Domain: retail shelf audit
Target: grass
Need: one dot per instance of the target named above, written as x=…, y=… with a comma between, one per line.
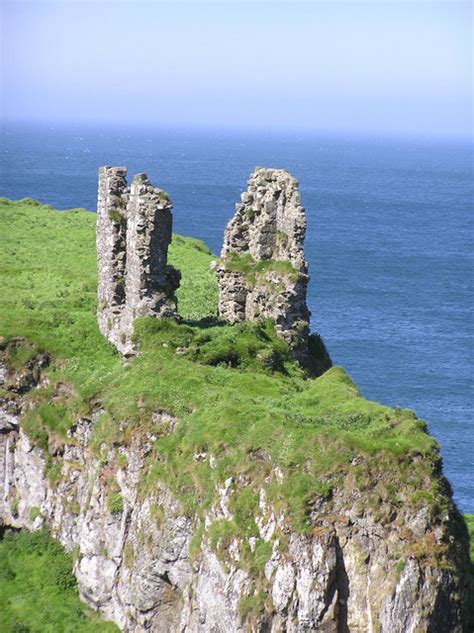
x=246, y=411
x=256, y=271
x=38, y=590
x=115, y=503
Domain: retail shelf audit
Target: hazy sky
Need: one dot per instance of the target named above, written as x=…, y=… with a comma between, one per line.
x=376, y=67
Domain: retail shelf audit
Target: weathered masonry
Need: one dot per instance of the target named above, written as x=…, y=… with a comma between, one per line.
x=134, y=227
x=262, y=272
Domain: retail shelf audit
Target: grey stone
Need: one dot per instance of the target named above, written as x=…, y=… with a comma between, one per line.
x=269, y=225
x=133, y=234
x=111, y=249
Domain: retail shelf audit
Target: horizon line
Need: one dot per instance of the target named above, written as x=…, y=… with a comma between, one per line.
x=272, y=130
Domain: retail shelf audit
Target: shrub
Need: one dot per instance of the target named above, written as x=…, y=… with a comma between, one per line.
x=115, y=503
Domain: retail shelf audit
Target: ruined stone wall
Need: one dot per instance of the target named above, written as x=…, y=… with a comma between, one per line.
x=111, y=248
x=262, y=272
x=134, y=227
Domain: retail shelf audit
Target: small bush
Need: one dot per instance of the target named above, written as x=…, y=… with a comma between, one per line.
x=262, y=553
x=252, y=606
x=115, y=503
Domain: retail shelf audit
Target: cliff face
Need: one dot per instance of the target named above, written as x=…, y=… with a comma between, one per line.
x=364, y=565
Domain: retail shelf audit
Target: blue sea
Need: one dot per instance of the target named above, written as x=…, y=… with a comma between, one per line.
x=389, y=244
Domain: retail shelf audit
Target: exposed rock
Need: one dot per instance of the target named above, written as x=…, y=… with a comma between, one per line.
x=133, y=234
x=262, y=272
x=133, y=560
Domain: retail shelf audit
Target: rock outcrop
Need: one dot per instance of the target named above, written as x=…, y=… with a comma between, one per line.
x=262, y=272
x=139, y=561
x=134, y=227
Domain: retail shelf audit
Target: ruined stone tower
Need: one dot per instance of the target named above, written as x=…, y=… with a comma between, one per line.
x=133, y=234
x=262, y=272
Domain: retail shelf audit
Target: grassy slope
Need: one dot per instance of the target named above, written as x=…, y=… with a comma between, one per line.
x=229, y=403
x=38, y=590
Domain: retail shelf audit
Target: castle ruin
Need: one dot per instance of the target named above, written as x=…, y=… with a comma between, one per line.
x=134, y=227
x=262, y=272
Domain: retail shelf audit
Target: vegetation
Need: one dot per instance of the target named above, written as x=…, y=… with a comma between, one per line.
x=116, y=216
x=115, y=503
x=244, y=407
x=256, y=270
x=470, y=526
x=234, y=388
x=163, y=196
x=250, y=213
x=38, y=590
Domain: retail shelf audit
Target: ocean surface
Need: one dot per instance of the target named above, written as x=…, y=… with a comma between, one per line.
x=389, y=244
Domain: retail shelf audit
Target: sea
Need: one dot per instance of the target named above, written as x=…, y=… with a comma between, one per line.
x=389, y=243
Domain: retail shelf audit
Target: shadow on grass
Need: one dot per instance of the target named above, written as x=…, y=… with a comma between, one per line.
x=205, y=323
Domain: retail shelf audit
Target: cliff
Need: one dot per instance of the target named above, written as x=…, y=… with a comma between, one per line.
x=210, y=484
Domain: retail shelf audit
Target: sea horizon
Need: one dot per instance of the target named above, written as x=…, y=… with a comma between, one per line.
x=337, y=134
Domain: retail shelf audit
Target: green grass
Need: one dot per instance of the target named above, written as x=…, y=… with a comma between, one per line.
x=38, y=591
x=235, y=390
x=115, y=503
x=255, y=271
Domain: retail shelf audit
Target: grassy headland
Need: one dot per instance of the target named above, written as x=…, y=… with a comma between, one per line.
x=237, y=393
x=234, y=388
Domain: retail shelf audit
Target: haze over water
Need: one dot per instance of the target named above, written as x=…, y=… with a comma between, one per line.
x=389, y=243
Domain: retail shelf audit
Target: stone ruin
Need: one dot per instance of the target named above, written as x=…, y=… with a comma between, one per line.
x=134, y=227
x=262, y=272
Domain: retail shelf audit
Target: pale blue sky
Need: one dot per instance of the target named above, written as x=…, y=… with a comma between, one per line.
x=375, y=67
